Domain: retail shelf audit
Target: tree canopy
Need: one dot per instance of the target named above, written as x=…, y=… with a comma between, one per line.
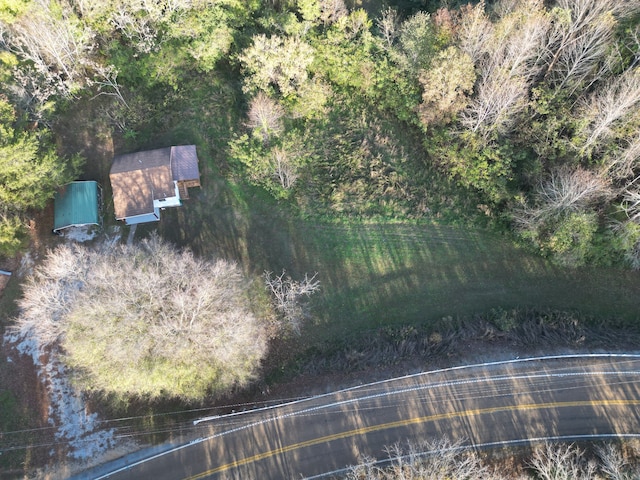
x=403, y=112
x=145, y=320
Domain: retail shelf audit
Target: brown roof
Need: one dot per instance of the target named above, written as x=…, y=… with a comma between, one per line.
x=139, y=178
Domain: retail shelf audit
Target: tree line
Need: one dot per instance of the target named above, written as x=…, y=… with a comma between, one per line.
x=531, y=107
x=525, y=110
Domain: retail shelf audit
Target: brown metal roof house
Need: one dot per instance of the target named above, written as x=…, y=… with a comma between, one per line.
x=145, y=182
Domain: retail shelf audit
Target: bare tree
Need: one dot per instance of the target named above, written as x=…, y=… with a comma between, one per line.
x=57, y=51
x=631, y=201
x=265, y=116
x=288, y=294
x=580, y=43
x=564, y=190
x=145, y=320
x=474, y=31
x=561, y=462
x=624, y=164
x=608, y=106
x=500, y=98
x=108, y=84
x=138, y=21
x=508, y=57
x=49, y=294
x=519, y=38
x=388, y=24
x=332, y=10
x=284, y=168
x=572, y=189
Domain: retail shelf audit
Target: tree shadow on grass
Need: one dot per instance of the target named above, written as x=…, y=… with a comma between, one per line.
x=376, y=274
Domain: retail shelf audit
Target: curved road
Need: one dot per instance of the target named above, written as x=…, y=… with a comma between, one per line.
x=503, y=402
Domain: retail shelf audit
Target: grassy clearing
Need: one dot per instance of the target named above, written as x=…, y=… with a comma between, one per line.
x=373, y=274
x=377, y=274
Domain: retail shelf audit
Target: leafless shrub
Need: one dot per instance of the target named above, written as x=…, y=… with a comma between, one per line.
x=288, y=294
x=612, y=463
x=561, y=462
x=443, y=459
x=265, y=116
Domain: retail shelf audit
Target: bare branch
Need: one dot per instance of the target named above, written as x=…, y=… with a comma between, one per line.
x=561, y=462
x=287, y=296
x=265, y=116
x=609, y=105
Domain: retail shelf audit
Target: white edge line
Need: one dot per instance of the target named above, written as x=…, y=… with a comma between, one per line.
x=413, y=375
x=430, y=372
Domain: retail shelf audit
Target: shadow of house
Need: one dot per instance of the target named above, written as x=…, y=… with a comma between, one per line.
x=146, y=182
x=77, y=204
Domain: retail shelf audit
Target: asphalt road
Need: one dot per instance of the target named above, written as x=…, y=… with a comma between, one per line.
x=490, y=404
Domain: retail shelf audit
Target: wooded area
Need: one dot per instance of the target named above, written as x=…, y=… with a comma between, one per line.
x=516, y=115
x=526, y=110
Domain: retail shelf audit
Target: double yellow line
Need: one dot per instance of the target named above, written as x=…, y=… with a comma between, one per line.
x=404, y=423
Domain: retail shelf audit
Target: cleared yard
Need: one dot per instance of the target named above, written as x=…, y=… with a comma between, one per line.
x=376, y=274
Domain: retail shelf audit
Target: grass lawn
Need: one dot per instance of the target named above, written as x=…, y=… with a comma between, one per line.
x=372, y=274
x=376, y=274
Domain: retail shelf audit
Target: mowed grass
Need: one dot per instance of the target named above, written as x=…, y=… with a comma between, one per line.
x=378, y=274
x=372, y=274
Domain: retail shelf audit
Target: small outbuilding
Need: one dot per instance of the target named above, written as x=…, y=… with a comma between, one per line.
x=76, y=205
x=146, y=182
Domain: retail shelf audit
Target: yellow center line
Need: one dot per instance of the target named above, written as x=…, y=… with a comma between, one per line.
x=404, y=423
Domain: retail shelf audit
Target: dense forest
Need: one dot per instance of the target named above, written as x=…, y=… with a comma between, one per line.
x=518, y=114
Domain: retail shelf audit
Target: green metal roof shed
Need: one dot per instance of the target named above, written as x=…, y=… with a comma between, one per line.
x=76, y=204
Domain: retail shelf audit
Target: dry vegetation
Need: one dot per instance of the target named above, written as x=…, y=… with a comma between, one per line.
x=145, y=320
x=438, y=460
